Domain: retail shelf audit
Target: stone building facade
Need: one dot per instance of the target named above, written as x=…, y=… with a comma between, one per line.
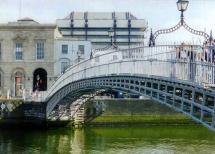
x=26, y=57
x=32, y=55
x=69, y=52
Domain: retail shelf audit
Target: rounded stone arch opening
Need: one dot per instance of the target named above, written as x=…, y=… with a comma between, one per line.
x=78, y=93
x=40, y=79
x=18, y=81
x=1, y=82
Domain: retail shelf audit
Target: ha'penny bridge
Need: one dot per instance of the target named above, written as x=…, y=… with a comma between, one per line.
x=181, y=77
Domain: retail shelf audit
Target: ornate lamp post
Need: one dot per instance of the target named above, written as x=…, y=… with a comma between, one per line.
x=112, y=45
x=182, y=6
x=111, y=34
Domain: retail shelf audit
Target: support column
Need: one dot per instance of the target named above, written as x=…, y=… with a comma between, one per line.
x=213, y=116
x=213, y=120
x=158, y=90
x=202, y=104
x=182, y=100
x=145, y=87
x=165, y=94
x=193, y=100
x=173, y=97
x=151, y=90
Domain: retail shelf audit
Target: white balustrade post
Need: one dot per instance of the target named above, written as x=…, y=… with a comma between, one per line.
x=108, y=70
x=134, y=68
x=120, y=67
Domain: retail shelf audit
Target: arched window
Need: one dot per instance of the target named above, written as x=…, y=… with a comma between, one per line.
x=19, y=83
x=40, y=80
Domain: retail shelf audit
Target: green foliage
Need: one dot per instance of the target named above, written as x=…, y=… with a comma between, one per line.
x=13, y=101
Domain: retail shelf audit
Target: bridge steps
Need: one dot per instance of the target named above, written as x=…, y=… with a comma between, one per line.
x=79, y=117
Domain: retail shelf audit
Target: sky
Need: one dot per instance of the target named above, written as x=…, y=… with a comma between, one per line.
x=158, y=13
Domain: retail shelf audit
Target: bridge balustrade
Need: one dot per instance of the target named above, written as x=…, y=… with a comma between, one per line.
x=145, y=60
x=158, y=72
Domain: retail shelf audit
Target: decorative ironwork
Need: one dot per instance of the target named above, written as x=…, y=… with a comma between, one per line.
x=181, y=23
x=170, y=30
x=153, y=37
x=196, y=32
x=181, y=68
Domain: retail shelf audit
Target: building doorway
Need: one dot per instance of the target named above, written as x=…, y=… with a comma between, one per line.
x=1, y=82
x=19, y=85
x=40, y=80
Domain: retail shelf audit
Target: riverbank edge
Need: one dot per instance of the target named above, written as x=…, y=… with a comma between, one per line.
x=103, y=121
x=119, y=120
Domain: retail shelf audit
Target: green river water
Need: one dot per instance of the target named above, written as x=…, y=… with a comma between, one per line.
x=130, y=140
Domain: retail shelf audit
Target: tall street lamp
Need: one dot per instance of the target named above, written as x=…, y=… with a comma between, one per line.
x=111, y=34
x=182, y=6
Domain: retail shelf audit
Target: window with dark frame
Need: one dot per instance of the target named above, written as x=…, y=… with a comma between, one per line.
x=64, y=49
x=40, y=50
x=19, y=51
x=81, y=49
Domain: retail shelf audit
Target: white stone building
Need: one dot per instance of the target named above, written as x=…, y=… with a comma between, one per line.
x=69, y=52
x=94, y=27
x=26, y=57
x=32, y=55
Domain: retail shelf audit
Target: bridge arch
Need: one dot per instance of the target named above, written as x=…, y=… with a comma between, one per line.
x=183, y=97
x=155, y=72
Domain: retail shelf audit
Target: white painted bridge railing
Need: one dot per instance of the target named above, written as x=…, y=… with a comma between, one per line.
x=175, y=62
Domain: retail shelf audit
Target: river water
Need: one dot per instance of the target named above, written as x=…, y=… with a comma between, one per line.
x=131, y=140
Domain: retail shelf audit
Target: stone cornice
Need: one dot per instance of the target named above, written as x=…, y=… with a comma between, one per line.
x=39, y=26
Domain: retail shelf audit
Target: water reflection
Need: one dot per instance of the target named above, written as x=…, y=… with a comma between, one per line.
x=156, y=139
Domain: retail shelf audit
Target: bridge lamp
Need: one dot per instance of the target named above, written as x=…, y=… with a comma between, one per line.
x=182, y=6
x=111, y=34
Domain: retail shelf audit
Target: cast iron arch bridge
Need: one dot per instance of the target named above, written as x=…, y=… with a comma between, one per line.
x=181, y=77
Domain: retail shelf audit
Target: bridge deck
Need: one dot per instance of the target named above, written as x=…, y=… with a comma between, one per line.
x=173, y=75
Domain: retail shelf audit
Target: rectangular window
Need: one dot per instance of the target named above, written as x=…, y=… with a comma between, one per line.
x=19, y=51
x=64, y=66
x=81, y=49
x=64, y=49
x=40, y=50
x=114, y=57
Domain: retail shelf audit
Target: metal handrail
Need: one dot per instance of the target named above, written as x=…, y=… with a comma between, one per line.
x=99, y=65
x=65, y=76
